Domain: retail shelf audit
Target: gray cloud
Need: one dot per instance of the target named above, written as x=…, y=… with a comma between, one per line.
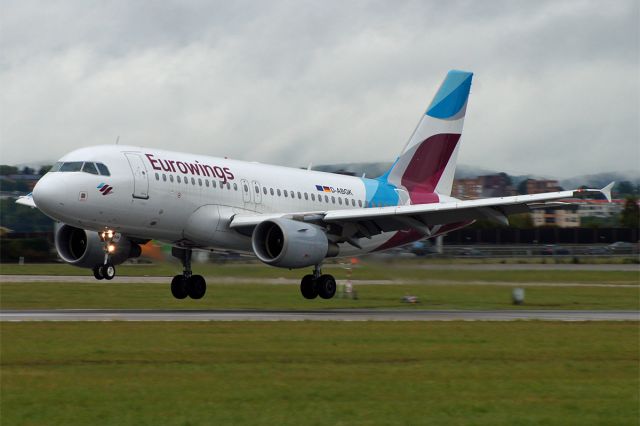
x=556, y=90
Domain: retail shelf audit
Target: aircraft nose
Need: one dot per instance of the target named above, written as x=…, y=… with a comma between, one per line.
x=46, y=194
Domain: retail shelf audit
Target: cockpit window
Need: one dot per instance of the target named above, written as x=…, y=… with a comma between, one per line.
x=104, y=171
x=90, y=168
x=56, y=167
x=72, y=166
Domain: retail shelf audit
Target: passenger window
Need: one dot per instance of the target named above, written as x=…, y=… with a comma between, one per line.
x=200, y=182
x=74, y=166
x=326, y=198
x=246, y=188
x=157, y=176
x=353, y=202
x=171, y=178
x=339, y=200
x=235, y=186
x=286, y=194
x=264, y=190
x=279, y=193
x=104, y=171
x=313, y=197
x=359, y=203
x=306, y=195
x=193, y=181
x=213, y=183
x=299, y=196
x=257, y=190
x=228, y=186
x=90, y=168
x=206, y=182
x=333, y=199
x=271, y=191
x=164, y=177
x=178, y=179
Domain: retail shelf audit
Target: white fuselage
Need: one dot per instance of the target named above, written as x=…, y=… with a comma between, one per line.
x=154, y=193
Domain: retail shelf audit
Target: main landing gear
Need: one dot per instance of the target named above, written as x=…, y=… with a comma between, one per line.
x=317, y=284
x=187, y=284
x=107, y=271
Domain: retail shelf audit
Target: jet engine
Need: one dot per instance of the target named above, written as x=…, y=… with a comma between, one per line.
x=84, y=249
x=291, y=244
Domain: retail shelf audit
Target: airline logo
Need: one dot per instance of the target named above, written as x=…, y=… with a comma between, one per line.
x=104, y=188
x=333, y=190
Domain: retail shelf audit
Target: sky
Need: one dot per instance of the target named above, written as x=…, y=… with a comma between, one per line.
x=556, y=89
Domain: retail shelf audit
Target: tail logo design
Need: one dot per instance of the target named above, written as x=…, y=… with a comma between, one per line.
x=426, y=166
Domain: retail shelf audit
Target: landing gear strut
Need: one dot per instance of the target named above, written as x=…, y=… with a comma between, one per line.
x=187, y=284
x=317, y=284
x=107, y=270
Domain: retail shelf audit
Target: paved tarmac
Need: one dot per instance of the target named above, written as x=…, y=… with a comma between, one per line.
x=328, y=315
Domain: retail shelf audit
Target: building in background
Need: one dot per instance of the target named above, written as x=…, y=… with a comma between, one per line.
x=540, y=186
x=566, y=217
x=497, y=185
x=599, y=208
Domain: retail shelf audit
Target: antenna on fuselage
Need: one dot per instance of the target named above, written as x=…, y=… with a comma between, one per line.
x=117, y=139
x=309, y=166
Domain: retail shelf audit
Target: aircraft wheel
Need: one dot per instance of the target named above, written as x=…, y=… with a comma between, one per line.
x=326, y=286
x=97, y=273
x=196, y=287
x=108, y=271
x=308, y=287
x=179, y=287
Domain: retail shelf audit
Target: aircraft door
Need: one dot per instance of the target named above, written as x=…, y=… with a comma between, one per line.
x=256, y=191
x=140, y=175
x=246, y=191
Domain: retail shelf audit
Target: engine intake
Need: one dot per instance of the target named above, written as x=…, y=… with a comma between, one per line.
x=291, y=244
x=84, y=249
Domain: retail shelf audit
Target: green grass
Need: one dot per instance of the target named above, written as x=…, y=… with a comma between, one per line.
x=285, y=296
x=319, y=373
x=377, y=271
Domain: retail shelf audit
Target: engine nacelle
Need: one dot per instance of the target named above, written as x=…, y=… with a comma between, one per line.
x=84, y=249
x=291, y=244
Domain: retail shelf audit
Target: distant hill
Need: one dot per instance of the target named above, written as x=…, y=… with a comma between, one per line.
x=463, y=171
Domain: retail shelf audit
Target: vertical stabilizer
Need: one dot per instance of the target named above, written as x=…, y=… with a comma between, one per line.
x=428, y=161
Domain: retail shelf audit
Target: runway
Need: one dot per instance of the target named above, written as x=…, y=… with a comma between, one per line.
x=327, y=315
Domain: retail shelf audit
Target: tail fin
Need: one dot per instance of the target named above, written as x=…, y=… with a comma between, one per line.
x=428, y=161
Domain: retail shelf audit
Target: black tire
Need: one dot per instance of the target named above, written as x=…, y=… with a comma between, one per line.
x=179, y=287
x=97, y=273
x=326, y=286
x=196, y=286
x=108, y=271
x=308, y=287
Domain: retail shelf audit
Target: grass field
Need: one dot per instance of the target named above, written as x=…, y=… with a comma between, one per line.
x=376, y=270
x=286, y=296
x=311, y=373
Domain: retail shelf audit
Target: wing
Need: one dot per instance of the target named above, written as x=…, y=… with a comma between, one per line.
x=358, y=223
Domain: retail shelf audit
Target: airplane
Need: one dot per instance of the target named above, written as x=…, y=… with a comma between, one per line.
x=112, y=199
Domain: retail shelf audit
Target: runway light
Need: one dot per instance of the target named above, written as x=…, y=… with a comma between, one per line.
x=111, y=248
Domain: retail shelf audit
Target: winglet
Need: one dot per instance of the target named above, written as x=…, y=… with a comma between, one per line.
x=606, y=191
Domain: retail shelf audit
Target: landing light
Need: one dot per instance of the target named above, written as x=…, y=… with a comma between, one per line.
x=111, y=248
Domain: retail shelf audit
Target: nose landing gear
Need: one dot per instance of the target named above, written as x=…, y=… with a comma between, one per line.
x=318, y=284
x=187, y=284
x=107, y=270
